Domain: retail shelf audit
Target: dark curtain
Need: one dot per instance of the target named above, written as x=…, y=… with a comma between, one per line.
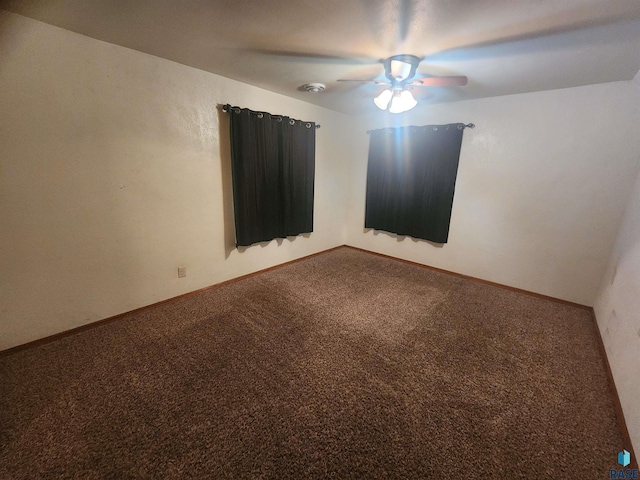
x=411, y=180
x=273, y=166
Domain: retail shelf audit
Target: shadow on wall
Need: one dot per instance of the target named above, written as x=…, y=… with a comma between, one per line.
x=279, y=241
x=227, y=183
x=401, y=238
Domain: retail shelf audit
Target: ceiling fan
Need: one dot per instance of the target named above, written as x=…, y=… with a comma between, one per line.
x=400, y=70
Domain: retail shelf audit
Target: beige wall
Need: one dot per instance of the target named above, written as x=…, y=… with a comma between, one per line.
x=542, y=185
x=617, y=309
x=114, y=171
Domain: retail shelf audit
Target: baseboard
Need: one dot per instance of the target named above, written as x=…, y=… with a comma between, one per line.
x=195, y=292
x=475, y=279
x=622, y=424
x=97, y=323
x=104, y=321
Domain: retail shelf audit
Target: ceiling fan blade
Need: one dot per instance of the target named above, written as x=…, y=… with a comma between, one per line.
x=311, y=57
x=376, y=82
x=422, y=95
x=439, y=81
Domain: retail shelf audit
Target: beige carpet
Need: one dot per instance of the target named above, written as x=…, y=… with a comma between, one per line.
x=343, y=365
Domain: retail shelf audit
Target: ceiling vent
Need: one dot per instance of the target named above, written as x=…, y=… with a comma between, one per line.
x=314, y=87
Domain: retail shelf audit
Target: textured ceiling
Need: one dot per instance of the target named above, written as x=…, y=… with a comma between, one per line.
x=503, y=46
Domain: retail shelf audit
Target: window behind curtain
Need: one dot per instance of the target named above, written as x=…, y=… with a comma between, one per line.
x=411, y=180
x=273, y=167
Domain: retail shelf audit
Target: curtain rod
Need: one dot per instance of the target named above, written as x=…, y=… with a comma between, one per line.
x=461, y=126
x=228, y=108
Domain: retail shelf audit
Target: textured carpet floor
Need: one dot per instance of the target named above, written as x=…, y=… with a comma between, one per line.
x=344, y=365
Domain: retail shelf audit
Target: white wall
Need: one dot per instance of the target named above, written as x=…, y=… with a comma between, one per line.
x=542, y=185
x=617, y=309
x=114, y=171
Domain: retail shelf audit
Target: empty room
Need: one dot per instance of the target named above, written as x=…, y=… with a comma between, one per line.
x=339, y=239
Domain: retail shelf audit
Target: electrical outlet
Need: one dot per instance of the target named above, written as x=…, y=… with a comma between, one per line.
x=182, y=271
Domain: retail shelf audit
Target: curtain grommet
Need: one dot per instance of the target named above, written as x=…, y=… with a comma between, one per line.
x=292, y=121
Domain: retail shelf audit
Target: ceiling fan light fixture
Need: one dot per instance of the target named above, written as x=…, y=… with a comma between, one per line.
x=400, y=70
x=382, y=100
x=396, y=100
x=402, y=101
x=400, y=67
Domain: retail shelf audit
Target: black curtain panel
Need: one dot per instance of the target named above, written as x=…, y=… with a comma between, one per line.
x=411, y=180
x=273, y=167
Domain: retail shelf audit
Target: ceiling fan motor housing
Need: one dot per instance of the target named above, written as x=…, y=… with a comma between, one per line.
x=400, y=68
